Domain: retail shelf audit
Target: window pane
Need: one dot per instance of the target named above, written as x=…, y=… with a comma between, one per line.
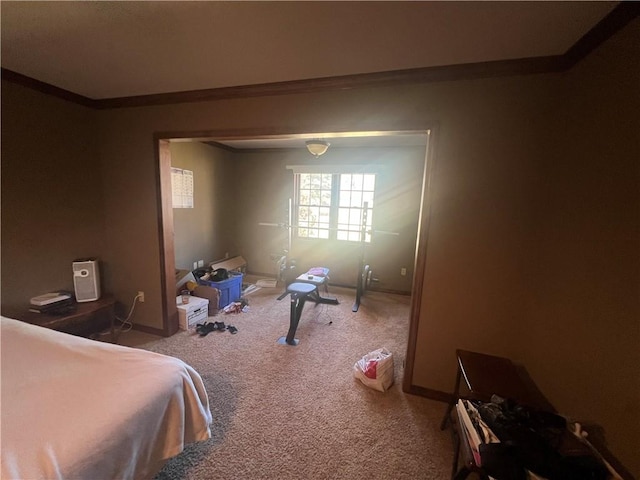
x=315, y=197
x=316, y=180
x=367, y=197
x=324, y=215
x=305, y=181
x=326, y=181
x=356, y=199
x=325, y=198
x=345, y=181
x=345, y=198
x=313, y=215
x=356, y=182
x=355, y=216
x=343, y=216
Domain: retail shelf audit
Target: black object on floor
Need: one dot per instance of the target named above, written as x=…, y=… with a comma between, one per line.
x=204, y=328
x=219, y=326
x=233, y=330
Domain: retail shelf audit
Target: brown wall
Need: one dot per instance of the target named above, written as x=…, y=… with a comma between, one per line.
x=52, y=194
x=264, y=185
x=546, y=194
x=199, y=231
x=533, y=243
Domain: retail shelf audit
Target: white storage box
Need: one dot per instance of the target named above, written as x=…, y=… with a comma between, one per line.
x=196, y=311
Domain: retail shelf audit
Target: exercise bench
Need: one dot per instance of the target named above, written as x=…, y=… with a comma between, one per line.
x=301, y=292
x=318, y=276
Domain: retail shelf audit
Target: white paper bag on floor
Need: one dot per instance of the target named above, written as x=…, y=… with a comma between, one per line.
x=375, y=369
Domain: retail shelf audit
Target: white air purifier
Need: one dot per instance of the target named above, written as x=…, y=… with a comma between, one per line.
x=86, y=280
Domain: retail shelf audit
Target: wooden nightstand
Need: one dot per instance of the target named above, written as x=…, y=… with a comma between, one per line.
x=89, y=318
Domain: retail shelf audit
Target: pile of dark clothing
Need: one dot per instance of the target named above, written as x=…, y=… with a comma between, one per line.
x=211, y=275
x=536, y=441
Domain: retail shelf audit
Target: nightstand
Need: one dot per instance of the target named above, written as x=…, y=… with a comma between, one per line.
x=89, y=318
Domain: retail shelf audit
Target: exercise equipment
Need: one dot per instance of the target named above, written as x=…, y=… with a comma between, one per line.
x=287, y=268
x=318, y=276
x=317, y=281
x=365, y=274
x=300, y=293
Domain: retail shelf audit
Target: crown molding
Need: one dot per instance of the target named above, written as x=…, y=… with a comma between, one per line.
x=47, y=88
x=347, y=82
x=620, y=16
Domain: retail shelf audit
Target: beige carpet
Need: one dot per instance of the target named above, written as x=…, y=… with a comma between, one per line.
x=284, y=412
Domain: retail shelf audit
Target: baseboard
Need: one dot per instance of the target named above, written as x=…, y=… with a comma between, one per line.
x=429, y=393
x=151, y=330
x=260, y=274
x=388, y=290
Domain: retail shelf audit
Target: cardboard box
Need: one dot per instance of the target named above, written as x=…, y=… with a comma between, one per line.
x=196, y=311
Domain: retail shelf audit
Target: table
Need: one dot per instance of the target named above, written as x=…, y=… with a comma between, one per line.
x=88, y=318
x=485, y=375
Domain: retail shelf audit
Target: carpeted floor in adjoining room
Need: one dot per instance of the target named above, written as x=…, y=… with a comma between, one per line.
x=284, y=412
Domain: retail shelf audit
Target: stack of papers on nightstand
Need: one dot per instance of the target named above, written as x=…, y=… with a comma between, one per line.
x=53, y=303
x=49, y=298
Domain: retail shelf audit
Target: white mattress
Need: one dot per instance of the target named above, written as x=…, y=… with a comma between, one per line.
x=75, y=408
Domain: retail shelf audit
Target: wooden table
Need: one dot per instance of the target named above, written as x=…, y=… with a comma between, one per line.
x=88, y=318
x=485, y=375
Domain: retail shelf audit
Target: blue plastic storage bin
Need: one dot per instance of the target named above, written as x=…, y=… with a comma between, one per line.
x=230, y=289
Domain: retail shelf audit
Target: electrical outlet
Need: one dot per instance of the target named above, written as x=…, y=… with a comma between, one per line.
x=200, y=263
x=226, y=254
x=195, y=265
x=141, y=296
x=403, y=271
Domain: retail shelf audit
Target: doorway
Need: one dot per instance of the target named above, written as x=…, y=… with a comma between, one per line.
x=254, y=141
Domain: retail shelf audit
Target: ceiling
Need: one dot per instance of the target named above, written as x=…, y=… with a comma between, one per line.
x=109, y=50
x=119, y=49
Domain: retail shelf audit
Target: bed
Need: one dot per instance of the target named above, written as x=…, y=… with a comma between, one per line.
x=75, y=408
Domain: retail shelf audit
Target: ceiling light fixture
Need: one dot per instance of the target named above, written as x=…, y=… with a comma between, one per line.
x=317, y=147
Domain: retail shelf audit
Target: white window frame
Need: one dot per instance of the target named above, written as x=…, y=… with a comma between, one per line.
x=337, y=208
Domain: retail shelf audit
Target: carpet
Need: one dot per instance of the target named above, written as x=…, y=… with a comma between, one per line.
x=296, y=412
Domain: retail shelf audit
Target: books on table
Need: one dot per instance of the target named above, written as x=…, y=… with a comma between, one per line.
x=49, y=298
x=54, y=302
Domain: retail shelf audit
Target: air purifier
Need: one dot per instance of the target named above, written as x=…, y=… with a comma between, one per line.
x=86, y=280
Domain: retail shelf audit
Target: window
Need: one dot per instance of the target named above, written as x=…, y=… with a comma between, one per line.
x=314, y=204
x=330, y=205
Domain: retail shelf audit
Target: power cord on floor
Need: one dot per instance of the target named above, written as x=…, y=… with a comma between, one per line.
x=324, y=312
x=127, y=321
